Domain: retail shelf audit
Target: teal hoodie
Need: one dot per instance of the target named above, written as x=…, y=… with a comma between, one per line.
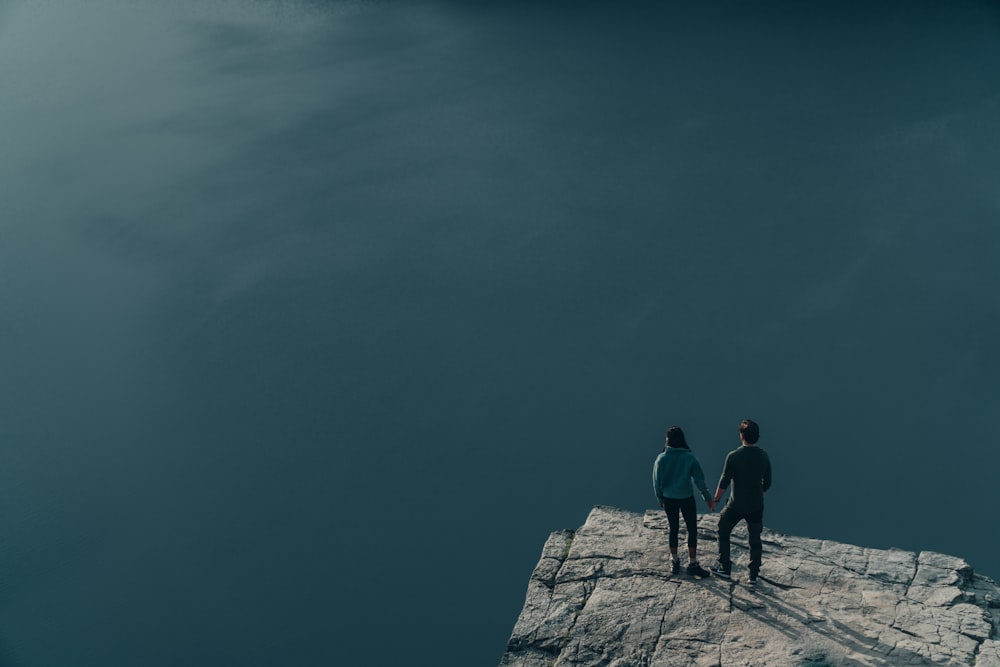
x=673, y=471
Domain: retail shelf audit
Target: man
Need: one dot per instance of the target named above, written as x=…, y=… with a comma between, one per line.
x=749, y=469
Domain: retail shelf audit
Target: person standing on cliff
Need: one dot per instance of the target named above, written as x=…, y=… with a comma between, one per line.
x=673, y=471
x=749, y=469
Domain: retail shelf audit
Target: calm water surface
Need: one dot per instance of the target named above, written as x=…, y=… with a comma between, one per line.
x=317, y=317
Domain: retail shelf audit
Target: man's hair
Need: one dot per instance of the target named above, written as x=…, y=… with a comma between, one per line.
x=750, y=431
x=676, y=439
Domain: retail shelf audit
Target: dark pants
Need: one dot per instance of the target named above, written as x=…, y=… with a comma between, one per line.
x=686, y=507
x=755, y=524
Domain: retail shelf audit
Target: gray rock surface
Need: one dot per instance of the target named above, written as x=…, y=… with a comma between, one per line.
x=604, y=595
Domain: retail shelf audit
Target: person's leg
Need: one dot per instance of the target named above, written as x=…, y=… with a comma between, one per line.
x=755, y=525
x=727, y=520
x=672, y=507
x=690, y=512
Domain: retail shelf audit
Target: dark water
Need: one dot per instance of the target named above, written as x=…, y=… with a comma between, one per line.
x=317, y=317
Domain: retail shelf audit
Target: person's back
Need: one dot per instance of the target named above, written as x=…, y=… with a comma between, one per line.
x=749, y=470
x=673, y=472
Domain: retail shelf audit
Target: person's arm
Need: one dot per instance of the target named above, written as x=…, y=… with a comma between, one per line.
x=698, y=475
x=767, y=474
x=727, y=476
x=656, y=479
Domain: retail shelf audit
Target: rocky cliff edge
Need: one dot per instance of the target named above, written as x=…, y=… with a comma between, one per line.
x=604, y=595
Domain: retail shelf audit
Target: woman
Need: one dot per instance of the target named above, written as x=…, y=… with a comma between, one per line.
x=673, y=471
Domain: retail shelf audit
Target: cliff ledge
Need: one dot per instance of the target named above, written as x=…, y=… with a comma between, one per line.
x=604, y=595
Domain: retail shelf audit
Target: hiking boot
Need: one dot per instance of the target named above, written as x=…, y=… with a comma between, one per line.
x=696, y=570
x=676, y=567
x=721, y=570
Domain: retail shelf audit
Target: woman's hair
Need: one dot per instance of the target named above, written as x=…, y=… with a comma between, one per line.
x=675, y=438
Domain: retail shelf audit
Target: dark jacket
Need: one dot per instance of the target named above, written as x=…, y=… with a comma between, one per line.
x=749, y=469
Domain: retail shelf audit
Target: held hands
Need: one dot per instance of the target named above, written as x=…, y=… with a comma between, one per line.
x=711, y=505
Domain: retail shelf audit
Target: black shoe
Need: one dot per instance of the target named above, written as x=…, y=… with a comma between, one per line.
x=676, y=568
x=696, y=570
x=752, y=579
x=721, y=570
